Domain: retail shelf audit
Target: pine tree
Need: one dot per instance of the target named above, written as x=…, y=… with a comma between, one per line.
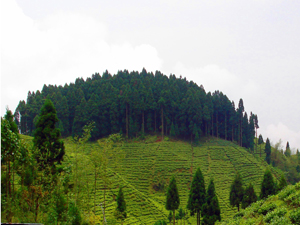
x=282, y=183
x=287, y=151
x=260, y=141
x=121, y=206
x=172, y=197
x=211, y=209
x=50, y=149
x=267, y=185
x=236, y=192
x=268, y=151
x=197, y=195
x=249, y=196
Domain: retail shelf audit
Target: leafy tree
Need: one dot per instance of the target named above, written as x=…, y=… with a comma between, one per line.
x=268, y=151
x=211, y=208
x=249, y=196
x=197, y=195
x=49, y=148
x=236, y=192
x=172, y=202
x=121, y=206
x=282, y=183
x=267, y=185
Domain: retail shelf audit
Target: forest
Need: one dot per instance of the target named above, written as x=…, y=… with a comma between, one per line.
x=136, y=103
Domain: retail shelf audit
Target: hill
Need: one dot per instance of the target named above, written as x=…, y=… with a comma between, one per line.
x=145, y=170
x=283, y=208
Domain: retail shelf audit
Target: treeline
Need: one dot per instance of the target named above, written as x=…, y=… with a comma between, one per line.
x=137, y=103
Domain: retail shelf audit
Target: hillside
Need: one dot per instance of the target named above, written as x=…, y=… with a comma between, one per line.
x=149, y=164
x=283, y=208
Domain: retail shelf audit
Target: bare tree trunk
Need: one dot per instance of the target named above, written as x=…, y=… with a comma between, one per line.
x=143, y=123
x=162, y=123
x=127, y=123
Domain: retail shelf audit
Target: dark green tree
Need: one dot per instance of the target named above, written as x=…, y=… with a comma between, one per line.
x=121, y=206
x=282, y=183
x=50, y=148
x=236, y=192
x=267, y=185
x=211, y=209
x=260, y=141
x=249, y=196
x=287, y=151
x=268, y=151
x=173, y=201
x=197, y=195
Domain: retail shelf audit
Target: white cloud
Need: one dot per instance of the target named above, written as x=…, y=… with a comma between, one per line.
x=58, y=49
x=213, y=77
x=281, y=131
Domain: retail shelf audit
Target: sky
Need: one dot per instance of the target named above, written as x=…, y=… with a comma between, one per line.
x=246, y=49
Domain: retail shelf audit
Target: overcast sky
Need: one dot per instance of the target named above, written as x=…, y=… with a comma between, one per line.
x=246, y=49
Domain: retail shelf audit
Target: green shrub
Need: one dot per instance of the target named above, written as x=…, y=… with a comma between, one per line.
x=160, y=222
x=280, y=221
x=295, y=216
x=267, y=208
x=279, y=212
x=286, y=192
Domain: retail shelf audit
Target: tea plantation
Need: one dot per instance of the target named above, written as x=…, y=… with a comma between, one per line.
x=145, y=168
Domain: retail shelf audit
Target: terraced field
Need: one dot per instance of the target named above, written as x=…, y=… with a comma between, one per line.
x=148, y=164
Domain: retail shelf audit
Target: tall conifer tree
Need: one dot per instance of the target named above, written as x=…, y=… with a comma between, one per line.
x=211, y=209
x=267, y=185
x=268, y=151
x=249, y=196
x=172, y=197
x=197, y=195
x=236, y=192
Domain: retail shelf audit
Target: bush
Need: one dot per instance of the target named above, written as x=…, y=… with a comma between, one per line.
x=295, y=216
x=279, y=212
x=267, y=208
x=160, y=222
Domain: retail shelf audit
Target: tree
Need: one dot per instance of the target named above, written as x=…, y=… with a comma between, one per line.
x=268, y=151
x=249, y=196
x=282, y=183
x=260, y=141
x=267, y=185
x=121, y=206
x=211, y=208
x=287, y=151
x=236, y=192
x=173, y=201
x=50, y=149
x=197, y=195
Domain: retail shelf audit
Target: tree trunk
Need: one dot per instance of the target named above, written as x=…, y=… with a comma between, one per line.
x=174, y=217
x=95, y=190
x=143, y=123
x=155, y=121
x=225, y=126
x=162, y=123
x=212, y=125
x=217, y=121
x=127, y=123
x=232, y=133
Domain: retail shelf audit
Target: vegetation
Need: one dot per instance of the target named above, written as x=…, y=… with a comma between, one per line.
x=138, y=103
x=152, y=128
x=282, y=208
x=197, y=195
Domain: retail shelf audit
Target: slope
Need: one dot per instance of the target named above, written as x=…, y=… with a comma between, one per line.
x=283, y=208
x=149, y=164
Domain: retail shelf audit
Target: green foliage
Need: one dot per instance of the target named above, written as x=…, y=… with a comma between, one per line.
x=268, y=151
x=236, y=192
x=282, y=183
x=172, y=200
x=249, y=196
x=160, y=222
x=267, y=185
x=295, y=216
x=49, y=148
x=273, y=215
x=121, y=206
x=197, y=193
x=211, y=209
x=74, y=214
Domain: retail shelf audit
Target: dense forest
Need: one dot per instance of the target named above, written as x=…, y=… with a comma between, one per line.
x=137, y=103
